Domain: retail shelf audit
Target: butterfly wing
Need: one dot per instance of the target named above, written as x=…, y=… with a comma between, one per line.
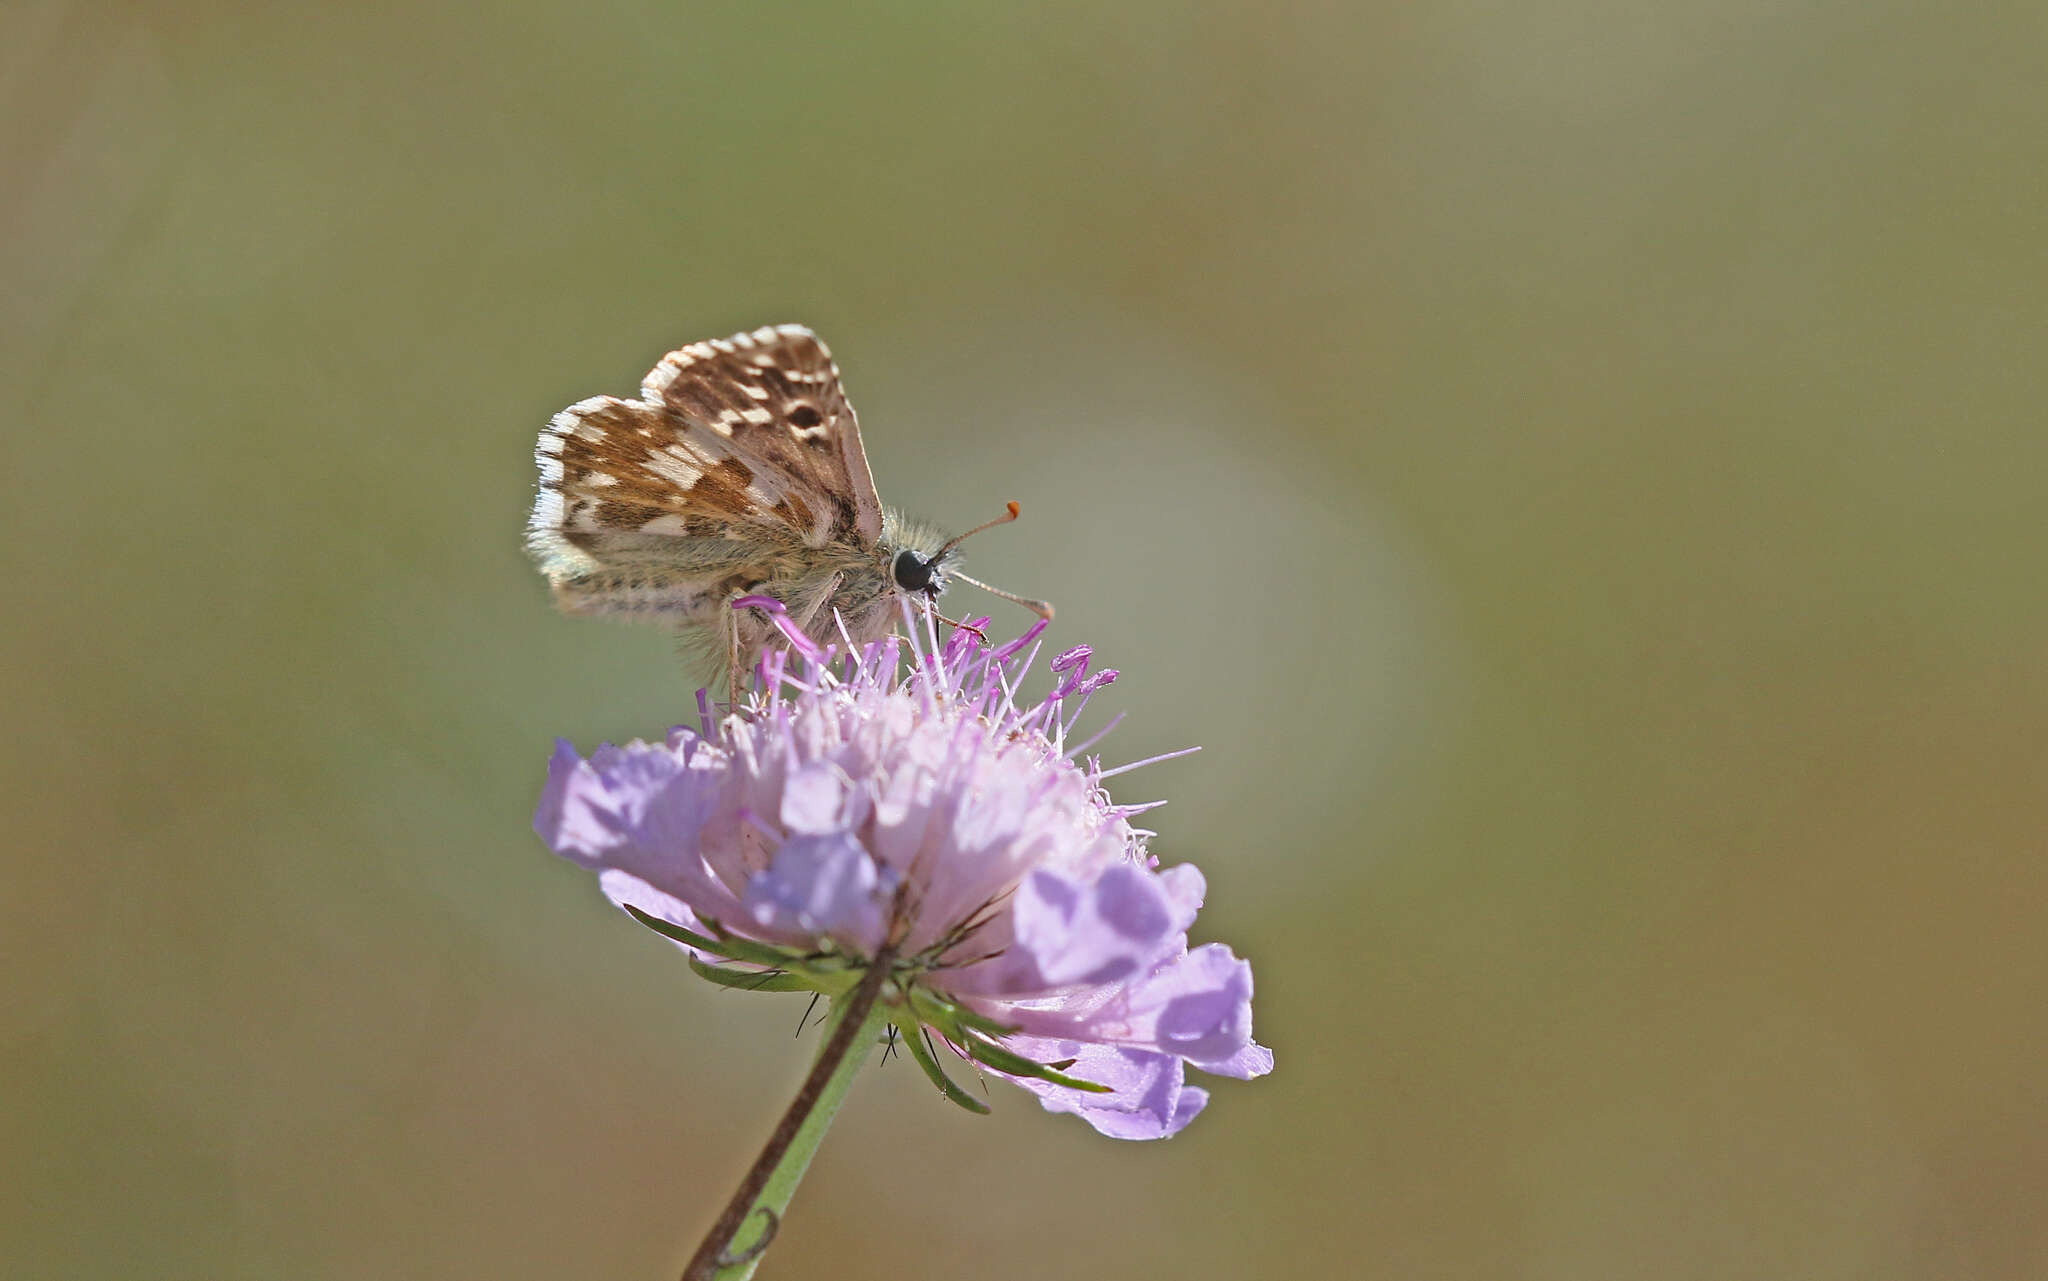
x=740, y=460
x=775, y=396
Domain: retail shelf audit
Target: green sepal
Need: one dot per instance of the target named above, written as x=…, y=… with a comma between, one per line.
x=670, y=930
x=730, y=946
x=913, y=1039
x=739, y=949
x=1015, y=1064
x=952, y=1019
x=751, y=980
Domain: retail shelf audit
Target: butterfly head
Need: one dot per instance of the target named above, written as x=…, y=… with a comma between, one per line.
x=920, y=572
x=914, y=573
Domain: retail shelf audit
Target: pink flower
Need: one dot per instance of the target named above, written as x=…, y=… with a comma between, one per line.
x=849, y=806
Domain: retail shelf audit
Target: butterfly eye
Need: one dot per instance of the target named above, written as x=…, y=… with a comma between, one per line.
x=912, y=572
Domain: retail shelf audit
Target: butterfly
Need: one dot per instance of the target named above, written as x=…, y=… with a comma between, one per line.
x=738, y=472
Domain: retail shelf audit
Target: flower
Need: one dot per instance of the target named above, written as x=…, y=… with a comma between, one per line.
x=850, y=806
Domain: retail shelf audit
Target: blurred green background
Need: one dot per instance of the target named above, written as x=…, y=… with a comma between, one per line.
x=1579, y=468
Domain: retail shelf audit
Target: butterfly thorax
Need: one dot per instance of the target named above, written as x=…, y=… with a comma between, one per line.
x=841, y=585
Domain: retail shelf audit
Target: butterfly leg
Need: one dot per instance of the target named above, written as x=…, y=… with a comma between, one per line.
x=732, y=650
x=979, y=634
x=818, y=604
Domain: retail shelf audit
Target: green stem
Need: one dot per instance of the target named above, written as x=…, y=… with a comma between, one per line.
x=733, y=1248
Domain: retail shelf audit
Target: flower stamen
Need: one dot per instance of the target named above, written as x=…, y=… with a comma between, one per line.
x=1149, y=760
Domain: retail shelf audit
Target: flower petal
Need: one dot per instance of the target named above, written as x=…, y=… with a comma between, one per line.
x=820, y=885
x=626, y=890
x=1200, y=1008
x=1095, y=933
x=1148, y=1098
x=818, y=798
x=1197, y=1007
x=575, y=816
x=1185, y=888
x=639, y=809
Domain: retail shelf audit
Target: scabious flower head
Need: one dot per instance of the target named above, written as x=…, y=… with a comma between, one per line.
x=913, y=800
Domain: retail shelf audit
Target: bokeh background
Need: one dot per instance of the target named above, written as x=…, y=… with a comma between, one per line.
x=1579, y=469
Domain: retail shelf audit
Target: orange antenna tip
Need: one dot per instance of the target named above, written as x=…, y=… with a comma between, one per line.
x=958, y=539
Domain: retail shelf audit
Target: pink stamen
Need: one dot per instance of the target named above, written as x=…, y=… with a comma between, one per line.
x=778, y=614
x=920, y=666
x=1002, y=653
x=1097, y=736
x=1106, y=676
x=956, y=646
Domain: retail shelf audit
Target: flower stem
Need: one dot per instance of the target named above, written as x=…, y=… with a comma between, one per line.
x=757, y=1204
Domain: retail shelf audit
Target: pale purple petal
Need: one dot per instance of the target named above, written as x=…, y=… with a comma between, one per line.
x=576, y=817
x=820, y=885
x=819, y=798
x=627, y=890
x=1200, y=1008
x=1196, y=1007
x=1185, y=888
x=1148, y=1098
x=1062, y=934
x=1193, y=1098
x=1095, y=933
x=633, y=806
x=1252, y=1061
x=902, y=815
x=638, y=808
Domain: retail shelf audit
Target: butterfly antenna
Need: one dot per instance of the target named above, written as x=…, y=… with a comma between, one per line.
x=1041, y=608
x=958, y=539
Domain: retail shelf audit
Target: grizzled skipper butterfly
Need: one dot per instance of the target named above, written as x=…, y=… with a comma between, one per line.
x=738, y=472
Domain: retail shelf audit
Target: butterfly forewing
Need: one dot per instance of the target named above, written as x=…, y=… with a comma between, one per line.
x=752, y=430
x=775, y=395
